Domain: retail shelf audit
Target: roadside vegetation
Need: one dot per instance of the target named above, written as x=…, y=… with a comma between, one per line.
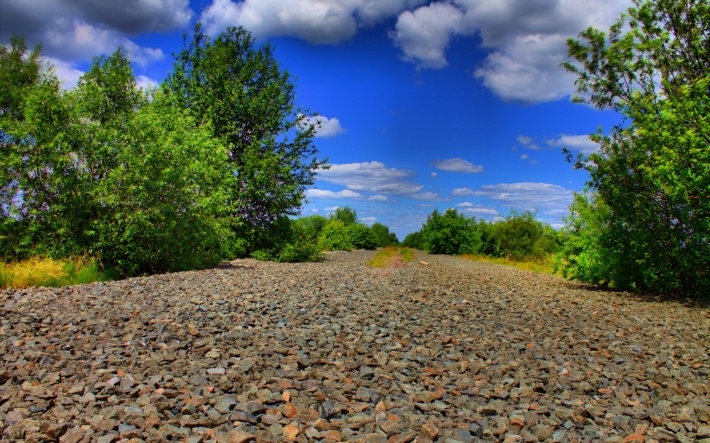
x=49, y=272
x=520, y=240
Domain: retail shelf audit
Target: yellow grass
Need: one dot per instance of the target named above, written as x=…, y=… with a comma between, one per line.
x=391, y=256
x=541, y=267
x=49, y=272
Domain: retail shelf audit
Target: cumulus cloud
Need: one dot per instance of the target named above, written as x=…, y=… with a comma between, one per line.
x=526, y=40
x=372, y=177
x=316, y=21
x=424, y=34
x=480, y=211
x=581, y=143
x=324, y=126
x=457, y=165
x=368, y=220
x=77, y=30
x=322, y=193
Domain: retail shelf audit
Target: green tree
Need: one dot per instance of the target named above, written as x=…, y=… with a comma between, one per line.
x=382, y=235
x=20, y=71
x=361, y=237
x=520, y=236
x=450, y=233
x=413, y=240
x=652, y=172
x=346, y=214
x=335, y=237
x=248, y=101
x=312, y=225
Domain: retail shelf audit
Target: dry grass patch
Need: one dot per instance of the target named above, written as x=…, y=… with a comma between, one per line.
x=543, y=267
x=50, y=273
x=391, y=257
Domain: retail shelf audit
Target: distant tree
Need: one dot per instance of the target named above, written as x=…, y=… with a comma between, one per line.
x=520, y=236
x=346, y=214
x=413, y=240
x=382, y=235
x=312, y=225
x=450, y=233
x=361, y=237
x=335, y=237
x=248, y=101
x=652, y=173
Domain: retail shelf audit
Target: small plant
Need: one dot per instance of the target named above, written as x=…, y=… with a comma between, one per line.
x=541, y=266
x=49, y=272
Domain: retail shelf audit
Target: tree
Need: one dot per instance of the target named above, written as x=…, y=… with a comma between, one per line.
x=520, y=236
x=248, y=101
x=346, y=214
x=652, y=172
x=382, y=235
x=451, y=233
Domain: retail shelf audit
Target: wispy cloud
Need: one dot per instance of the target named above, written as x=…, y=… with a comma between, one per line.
x=429, y=196
x=457, y=165
x=527, y=142
x=463, y=192
x=526, y=195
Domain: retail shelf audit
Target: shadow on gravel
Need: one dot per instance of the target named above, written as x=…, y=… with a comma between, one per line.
x=643, y=297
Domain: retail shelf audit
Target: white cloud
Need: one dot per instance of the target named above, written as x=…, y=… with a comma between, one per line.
x=581, y=143
x=368, y=220
x=372, y=177
x=67, y=74
x=526, y=195
x=316, y=21
x=323, y=193
x=527, y=142
x=524, y=157
x=481, y=211
x=429, y=196
x=378, y=198
x=324, y=126
x=434, y=175
x=526, y=40
x=145, y=82
x=424, y=34
x=462, y=192
x=457, y=165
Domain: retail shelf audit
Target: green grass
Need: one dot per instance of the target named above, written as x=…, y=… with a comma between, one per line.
x=50, y=273
x=391, y=256
x=543, y=267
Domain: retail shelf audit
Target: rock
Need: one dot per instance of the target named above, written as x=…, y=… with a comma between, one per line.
x=239, y=437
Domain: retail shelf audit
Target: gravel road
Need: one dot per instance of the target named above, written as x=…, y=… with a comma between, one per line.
x=449, y=351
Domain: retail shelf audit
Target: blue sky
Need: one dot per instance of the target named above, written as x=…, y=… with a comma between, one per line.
x=424, y=105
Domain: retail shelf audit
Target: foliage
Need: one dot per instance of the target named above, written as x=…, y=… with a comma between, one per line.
x=450, y=233
x=651, y=174
x=20, y=71
x=361, y=237
x=312, y=225
x=335, y=237
x=289, y=242
x=346, y=214
x=520, y=237
x=413, y=240
x=382, y=235
x=240, y=92
x=48, y=272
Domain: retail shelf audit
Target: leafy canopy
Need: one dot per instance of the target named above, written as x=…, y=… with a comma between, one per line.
x=651, y=175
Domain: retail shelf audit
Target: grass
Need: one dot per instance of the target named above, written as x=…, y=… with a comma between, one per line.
x=50, y=273
x=543, y=267
x=390, y=256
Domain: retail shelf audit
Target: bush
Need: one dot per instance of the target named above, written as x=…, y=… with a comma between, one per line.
x=335, y=237
x=287, y=241
x=413, y=240
x=451, y=233
x=521, y=237
x=361, y=237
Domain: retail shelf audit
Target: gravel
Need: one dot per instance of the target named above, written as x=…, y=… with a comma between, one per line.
x=447, y=350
